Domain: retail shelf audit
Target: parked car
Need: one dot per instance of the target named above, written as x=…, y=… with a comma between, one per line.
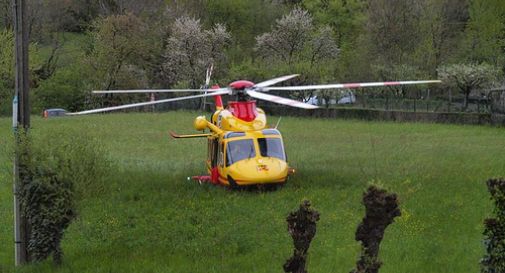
x=347, y=98
x=54, y=112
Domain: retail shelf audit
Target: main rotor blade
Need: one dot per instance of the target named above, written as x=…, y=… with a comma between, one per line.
x=155, y=91
x=280, y=100
x=275, y=80
x=346, y=85
x=126, y=106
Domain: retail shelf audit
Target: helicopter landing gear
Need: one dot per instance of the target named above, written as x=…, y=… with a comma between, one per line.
x=201, y=179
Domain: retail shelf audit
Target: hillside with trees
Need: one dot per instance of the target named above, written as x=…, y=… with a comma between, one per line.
x=77, y=46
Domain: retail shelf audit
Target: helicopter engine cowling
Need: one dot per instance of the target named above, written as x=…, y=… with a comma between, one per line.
x=200, y=123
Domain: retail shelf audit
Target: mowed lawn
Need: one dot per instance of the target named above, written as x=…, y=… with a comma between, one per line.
x=147, y=217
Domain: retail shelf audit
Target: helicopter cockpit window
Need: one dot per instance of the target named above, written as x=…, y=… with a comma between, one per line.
x=239, y=150
x=234, y=134
x=271, y=147
x=271, y=132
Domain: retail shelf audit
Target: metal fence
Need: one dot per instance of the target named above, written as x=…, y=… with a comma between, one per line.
x=487, y=101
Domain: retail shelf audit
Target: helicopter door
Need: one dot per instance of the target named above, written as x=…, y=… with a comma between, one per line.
x=212, y=152
x=220, y=158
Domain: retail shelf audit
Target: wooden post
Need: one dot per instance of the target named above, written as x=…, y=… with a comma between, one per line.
x=21, y=117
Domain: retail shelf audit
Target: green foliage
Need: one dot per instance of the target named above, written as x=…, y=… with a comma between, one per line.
x=57, y=171
x=345, y=16
x=49, y=208
x=119, y=49
x=392, y=28
x=76, y=156
x=68, y=89
x=7, y=66
x=6, y=57
x=494, y=232
x=245, y=19
x=485, y=34
x=6, y=70
x=131, y=44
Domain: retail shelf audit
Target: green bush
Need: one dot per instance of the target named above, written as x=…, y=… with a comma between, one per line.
x=68, y=89
x=494, y=232
x=55, y=169
x=77, y=157
x=48, y=204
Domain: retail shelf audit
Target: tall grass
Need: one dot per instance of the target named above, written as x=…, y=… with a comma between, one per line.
x=149, y=218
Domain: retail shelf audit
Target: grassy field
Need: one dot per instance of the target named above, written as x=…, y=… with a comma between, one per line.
x=148, y=218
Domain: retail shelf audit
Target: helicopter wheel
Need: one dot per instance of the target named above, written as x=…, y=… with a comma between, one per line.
x=271, y=187
x=233, y=184
x=278, y=186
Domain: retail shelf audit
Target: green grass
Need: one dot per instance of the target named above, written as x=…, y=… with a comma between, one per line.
x=148, y=218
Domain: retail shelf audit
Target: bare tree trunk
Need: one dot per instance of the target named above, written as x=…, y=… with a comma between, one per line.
x=467, y=96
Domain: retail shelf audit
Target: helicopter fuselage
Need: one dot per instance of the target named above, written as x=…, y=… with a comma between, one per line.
x=242, y=151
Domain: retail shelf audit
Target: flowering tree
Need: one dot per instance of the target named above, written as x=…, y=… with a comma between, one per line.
x=191, y=49
x=468, y=77
x=295, y=38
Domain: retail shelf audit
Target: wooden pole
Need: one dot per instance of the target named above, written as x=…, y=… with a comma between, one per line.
x=21, y=116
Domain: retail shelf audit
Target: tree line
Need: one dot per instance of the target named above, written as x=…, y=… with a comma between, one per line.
x=78, y=46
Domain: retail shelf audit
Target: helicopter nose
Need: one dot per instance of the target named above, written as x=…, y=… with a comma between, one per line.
x=259, y=170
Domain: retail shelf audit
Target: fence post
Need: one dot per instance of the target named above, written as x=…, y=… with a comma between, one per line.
x=450, y=101
x=427, y=100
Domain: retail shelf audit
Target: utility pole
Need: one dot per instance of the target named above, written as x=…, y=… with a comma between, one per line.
x=21, y=117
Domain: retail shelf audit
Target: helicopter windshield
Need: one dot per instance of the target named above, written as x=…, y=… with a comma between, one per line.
x=271, y=147
x=239, y=150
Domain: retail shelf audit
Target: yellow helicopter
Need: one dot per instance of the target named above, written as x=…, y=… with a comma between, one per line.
x=242, y=149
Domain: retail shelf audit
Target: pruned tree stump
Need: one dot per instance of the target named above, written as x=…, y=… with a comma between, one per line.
x=302, y=227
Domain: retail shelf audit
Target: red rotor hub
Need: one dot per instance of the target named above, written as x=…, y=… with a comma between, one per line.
x=241, y=85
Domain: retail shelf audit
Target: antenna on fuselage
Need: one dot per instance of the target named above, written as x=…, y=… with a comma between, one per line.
x=278, y=122
x=207, y=84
